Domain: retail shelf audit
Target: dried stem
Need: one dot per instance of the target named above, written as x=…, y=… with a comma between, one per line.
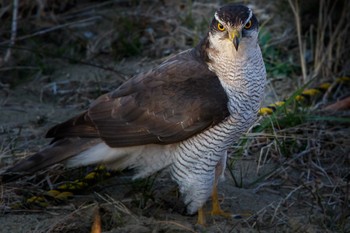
x=13, y=30
x=295, y=9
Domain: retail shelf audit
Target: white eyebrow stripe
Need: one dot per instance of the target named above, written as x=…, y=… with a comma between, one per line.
x=249, y=17
x=217, y=18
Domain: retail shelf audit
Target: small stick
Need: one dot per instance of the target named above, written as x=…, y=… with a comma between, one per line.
x=296, y=12
x=96, y=226
x=13, y=30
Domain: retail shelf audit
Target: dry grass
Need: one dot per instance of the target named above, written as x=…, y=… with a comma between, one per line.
x=314, y=175
x=299, y=156
x=327, y=41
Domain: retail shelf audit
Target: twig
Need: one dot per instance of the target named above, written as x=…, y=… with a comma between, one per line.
x=339, y=105
x=13, y=30
x=117, y=204
x=335, y=46
x=97, y=225
x=295, y=9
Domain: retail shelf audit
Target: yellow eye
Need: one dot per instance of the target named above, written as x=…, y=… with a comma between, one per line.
x=221, y=27
x=248, y=25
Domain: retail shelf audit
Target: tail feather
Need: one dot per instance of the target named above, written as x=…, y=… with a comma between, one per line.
x=57, y=152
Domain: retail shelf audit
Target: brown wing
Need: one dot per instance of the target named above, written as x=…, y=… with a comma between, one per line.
x=171, y=103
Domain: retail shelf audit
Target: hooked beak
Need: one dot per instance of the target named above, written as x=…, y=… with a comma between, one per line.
x=235, y=36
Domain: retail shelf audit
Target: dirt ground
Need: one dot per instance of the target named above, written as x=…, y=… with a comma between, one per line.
x=266, y=188
x=29, y=110
x=28, y=113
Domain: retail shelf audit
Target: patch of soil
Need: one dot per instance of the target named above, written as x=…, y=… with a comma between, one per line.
x=268, y=189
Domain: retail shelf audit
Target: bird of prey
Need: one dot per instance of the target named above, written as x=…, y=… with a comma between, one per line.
x=183, y=114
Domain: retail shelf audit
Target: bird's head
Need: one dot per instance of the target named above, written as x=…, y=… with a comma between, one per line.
x=234, y=27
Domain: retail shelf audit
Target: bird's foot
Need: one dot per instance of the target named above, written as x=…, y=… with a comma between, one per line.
x=217, y=211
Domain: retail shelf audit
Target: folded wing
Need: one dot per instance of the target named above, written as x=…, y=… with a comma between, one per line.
x=171, y=103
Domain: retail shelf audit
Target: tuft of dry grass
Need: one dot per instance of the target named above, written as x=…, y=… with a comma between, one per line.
x=326, y=40
x=310, y=173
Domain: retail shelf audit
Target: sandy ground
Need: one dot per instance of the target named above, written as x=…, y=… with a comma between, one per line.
x=127, y=206
x=275, y=193
x=30, y=109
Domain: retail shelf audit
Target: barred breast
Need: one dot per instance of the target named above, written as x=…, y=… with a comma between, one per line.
x=195, y=160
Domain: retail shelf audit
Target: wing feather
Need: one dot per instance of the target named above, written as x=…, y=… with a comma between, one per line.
x=171, y=103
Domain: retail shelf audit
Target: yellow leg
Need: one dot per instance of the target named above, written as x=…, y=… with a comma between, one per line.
x=216, y=205
x=201, y=217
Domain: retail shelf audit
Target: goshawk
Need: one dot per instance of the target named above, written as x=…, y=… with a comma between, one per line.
x=183, y=114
